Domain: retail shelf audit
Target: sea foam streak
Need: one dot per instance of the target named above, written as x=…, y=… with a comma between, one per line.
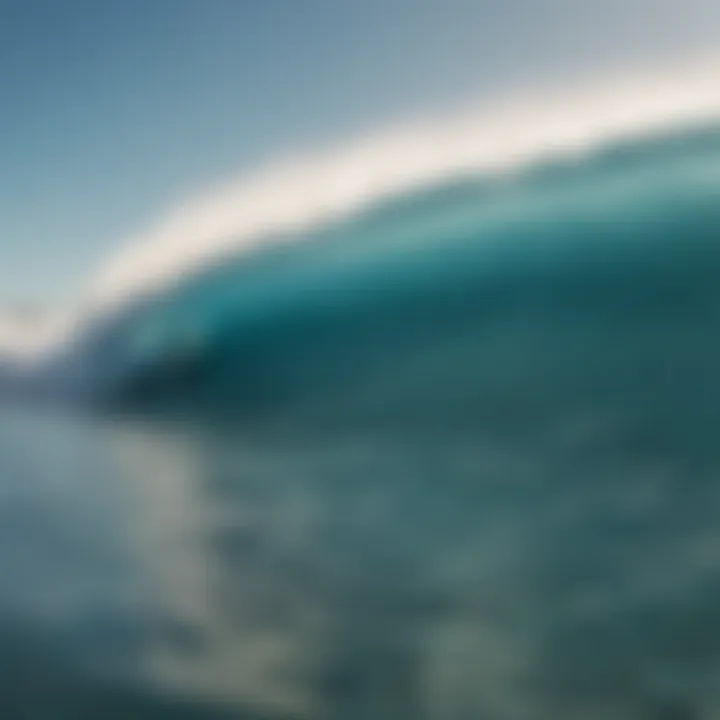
x=292, y=196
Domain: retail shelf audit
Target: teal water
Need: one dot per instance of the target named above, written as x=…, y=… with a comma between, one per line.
x=456, y=458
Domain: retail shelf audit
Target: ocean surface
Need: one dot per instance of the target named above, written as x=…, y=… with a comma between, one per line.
x=455, y=457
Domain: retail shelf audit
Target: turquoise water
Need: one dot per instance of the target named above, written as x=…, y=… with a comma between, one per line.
x=455, y=458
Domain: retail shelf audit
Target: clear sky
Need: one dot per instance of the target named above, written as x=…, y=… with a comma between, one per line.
x=114, y=111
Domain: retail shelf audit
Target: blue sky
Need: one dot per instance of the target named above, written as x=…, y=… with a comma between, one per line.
x=114, y=111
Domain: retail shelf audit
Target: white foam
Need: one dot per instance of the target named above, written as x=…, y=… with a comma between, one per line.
x=287, y=197
x=24, y=342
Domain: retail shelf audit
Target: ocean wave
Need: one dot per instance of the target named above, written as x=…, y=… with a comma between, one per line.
x=630, y=230
x=510, y=178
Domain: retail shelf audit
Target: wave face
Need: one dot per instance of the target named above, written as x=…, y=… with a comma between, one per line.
x=573, y=266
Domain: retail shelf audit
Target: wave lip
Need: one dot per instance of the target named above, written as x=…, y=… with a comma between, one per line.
x=285, y=199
